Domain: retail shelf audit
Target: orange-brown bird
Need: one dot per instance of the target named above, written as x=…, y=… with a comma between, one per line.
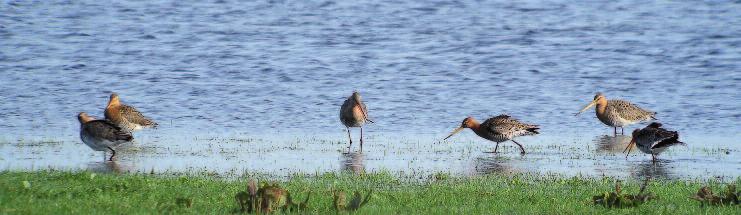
x=126, y=117
x=498, y=129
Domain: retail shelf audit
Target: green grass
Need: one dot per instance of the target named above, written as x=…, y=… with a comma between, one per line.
x=55, y=192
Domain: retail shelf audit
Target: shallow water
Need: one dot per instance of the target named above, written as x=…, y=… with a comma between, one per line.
x=279, y=70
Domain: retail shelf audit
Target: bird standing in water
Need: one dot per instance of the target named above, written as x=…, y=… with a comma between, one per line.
x=353, y=113
x=618, y=113
x=498, y=129
x=653, y=139
x=102, y=135
x=126, y=117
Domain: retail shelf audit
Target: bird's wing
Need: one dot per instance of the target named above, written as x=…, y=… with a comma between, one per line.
x=504, y=124
x=664, y=138
x=136, y=117
x=103, y=129
x=630, y=111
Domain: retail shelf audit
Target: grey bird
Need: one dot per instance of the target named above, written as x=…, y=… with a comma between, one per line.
x=102, y=135
x=353, y=113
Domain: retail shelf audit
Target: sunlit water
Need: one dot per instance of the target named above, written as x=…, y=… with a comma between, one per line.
x=256, y=86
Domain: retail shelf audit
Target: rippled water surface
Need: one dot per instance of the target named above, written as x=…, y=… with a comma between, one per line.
x=256, y=86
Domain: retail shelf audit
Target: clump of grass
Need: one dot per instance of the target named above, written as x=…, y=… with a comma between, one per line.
x=268, y=198
x=706, y=197
x=618, y=200
x=340, y=203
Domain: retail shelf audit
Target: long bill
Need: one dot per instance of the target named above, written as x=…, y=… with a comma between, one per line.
x=629, y=147
x=365, y=115
x=454, y=131
x=362, y=110
x=586, y=107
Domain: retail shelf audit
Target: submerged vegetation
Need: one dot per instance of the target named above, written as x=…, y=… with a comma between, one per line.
x=52, y=192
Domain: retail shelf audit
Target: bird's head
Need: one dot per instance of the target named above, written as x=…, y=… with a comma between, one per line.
x=83, y=118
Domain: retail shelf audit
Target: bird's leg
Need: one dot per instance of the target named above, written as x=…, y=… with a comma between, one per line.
x=653, y=157
x=496, y=147
x=361, y=139
x=622, y=130
x=349, y=138
x=615, y=132
x=522, y=150
x=112, y=155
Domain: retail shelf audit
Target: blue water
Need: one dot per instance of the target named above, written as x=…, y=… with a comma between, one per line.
x=231, y=68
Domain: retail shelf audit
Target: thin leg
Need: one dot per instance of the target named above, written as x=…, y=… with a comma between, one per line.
x=522, y=150
x=361, y=139
x=653, y=158
x=496, y=147
x=615, y=132
x=349, y=138
x=112, y=155
x=622, y=130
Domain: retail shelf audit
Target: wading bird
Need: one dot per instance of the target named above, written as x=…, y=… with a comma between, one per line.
x=354, y=113
x=102, y=135
x=653, y=139
x=498, y=129
x=618, y=113
x=126, y=117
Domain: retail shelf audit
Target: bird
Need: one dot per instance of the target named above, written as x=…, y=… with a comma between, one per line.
x=102, y=135
x=126, y=117
x=653, y=139
x=354, y=113
x=618, y=113
x=498, y=129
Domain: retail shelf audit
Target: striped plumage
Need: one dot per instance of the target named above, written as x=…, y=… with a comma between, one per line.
x=618, y=113
x=498, y=129
x=653, y=139
x=125, y=116
x=101, y=135
x=354, y=113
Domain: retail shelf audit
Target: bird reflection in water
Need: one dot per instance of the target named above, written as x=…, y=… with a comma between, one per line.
x=493, y=165
x=107, y=167
x=354, y=162
x=607, y=143
x=658, y=170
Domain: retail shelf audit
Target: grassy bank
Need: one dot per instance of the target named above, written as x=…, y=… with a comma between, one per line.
x=86, y=193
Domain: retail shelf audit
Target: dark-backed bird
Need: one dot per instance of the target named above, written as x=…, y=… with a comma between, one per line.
x=653, y=139
x=353, y=113
x=125, y=116
x=102, y=135
x=498, y=129
x=618, y=113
